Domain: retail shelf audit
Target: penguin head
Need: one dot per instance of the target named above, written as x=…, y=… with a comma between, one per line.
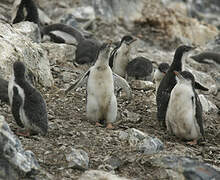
x=163, y=67
x=127, y=40
x=125, y=43
x=105, y=50
x=19, y=70
x=185, y=77
x=183, y=50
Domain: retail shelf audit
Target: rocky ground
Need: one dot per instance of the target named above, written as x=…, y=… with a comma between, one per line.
x=69, y=127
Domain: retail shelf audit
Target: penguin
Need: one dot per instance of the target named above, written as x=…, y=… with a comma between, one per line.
x=86, y=49
x=4, y=91
x=101, y=100
x=140, y=68
x=120, y=56
x=32, y=12
x=160, y=73
x=169, y=81
x=184, y=111
x=27, y=104
x=205, y=57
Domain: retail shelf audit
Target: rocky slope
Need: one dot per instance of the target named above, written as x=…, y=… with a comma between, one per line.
x=138, y=148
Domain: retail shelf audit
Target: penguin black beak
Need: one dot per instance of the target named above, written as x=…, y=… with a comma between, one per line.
x=192, y=48
x=133, y=40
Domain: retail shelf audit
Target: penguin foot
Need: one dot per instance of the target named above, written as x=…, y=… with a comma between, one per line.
x=98, y=124
x=109, y=126
x=22, y=132
x=194, y=142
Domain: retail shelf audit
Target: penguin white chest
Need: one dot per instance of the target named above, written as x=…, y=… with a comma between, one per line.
x=180, y=116
x=158, y=76
x=100, y=82
x=121, y=61
x=100, y=89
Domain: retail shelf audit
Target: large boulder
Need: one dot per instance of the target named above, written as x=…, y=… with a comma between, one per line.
x=15, y=162
x=15, y=46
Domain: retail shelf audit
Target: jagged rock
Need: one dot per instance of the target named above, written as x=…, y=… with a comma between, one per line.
x=150, y=146
x=142, y=85
x=111, y=163
x=59, y=53
x=131, y=116
x=79, y=17
x=67, y=76
x=180, y=167
x=143, y=142
x=6, y=9
x=99, y=175
x=206, y=104
x=29, y=29
x=111, y=10
x=78, y=159
x=15, y=46
x=14, y=161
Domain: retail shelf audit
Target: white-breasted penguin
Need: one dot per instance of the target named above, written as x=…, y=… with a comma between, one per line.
x=140, y=68
x=169, y=81
x=184, y=111
x=120, y=56
x=101, y=100
x=27, y=104
x=160, y=73
x=86, y=49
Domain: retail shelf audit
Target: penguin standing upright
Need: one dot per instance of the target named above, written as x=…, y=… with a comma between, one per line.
x=169, y=81
x=184, y=111
x=101, y=100
x=27, y=104
x=160, y=73
x=120, y=56
x=87, y=48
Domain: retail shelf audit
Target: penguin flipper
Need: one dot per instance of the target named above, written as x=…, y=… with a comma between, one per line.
x=199, y=115
x=162, y=107
x=121, y=82
x=79, y=82
x=200, y=86
x=16, y=104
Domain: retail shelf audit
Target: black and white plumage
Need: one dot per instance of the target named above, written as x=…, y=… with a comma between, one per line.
x=169, y=81
x=27, y=104
x=87, y=48
x=120, y=56
x=160, y=73
x=101, y=100
x=184, y=112
x=140, y=68
x=32, y=12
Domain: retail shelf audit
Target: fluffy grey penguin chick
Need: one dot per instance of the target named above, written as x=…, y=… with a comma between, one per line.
x=160, y=73
x=140, y=68
x=101, y=100
x=184, y=112
x=27, y=104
